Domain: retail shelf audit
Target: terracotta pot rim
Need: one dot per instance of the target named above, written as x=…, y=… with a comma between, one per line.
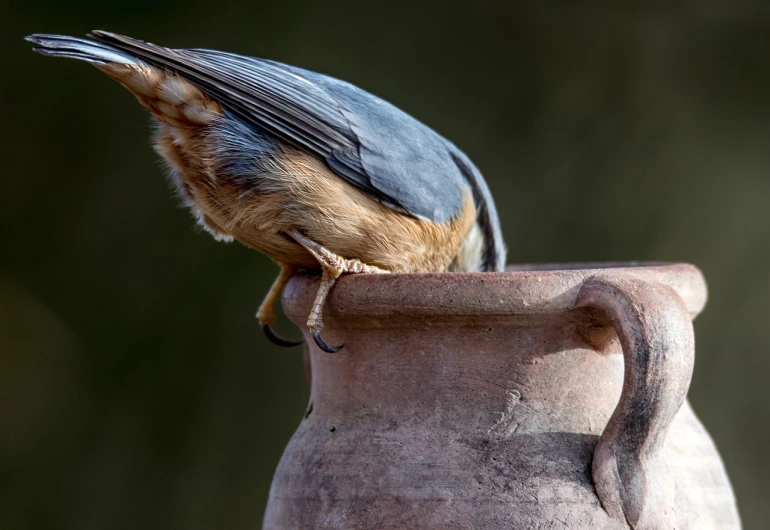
x=523, y=289
x=588, y=265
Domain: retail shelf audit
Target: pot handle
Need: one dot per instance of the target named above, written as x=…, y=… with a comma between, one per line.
x=656, y=333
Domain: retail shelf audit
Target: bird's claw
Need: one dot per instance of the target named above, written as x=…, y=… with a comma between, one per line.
x=277, y=339
x=322, y=343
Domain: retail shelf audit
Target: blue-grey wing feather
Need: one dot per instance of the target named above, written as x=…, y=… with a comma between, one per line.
x=394, y=147
x=403, y=159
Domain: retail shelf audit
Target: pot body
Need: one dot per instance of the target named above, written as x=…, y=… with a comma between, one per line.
x=477, y=401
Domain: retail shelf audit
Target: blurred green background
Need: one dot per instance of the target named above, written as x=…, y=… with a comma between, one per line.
x=136, y=390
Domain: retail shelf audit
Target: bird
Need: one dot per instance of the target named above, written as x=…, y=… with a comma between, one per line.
x=307, y=169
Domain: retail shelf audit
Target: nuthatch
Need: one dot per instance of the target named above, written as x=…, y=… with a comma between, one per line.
x=305, y=168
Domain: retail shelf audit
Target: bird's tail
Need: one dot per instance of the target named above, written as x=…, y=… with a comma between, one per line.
x=172, y=99
x=77, y=48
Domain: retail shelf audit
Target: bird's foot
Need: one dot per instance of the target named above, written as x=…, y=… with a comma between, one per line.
x=333, y=266
x=266, y=312
x=334, y=262
x=278, y=340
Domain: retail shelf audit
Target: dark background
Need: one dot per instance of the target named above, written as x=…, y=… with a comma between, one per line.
x=136, y=390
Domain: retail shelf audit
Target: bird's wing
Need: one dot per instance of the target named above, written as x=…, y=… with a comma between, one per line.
x=368, y=142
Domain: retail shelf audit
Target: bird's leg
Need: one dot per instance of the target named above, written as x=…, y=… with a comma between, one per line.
x=333, y=266
x=315, y=320
x=266, y=312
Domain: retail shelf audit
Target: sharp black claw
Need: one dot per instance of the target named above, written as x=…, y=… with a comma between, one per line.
x=277, y=339
x=322, y=343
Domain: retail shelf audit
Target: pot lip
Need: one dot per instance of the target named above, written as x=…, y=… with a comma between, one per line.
x=538, y=289
x=588, y=265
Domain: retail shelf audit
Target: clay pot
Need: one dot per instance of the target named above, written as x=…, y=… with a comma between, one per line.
x=541, y=397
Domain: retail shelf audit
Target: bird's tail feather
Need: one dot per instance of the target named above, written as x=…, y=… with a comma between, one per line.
x=77, y=48
x=172, y=99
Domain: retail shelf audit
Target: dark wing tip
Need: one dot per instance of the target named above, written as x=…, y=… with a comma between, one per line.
x=100, y=34
x=110, y=37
